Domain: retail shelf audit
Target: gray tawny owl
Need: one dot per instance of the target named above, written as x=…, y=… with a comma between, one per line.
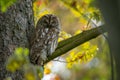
x=46, y=37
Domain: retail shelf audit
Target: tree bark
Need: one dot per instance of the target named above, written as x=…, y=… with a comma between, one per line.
x=16, y=28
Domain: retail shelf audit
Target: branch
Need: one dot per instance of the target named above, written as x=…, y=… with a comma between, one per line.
x=70, y=43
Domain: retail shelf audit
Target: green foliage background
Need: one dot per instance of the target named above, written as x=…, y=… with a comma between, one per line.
x=4, y=4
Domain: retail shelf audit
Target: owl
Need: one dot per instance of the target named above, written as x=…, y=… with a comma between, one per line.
x=45, y=40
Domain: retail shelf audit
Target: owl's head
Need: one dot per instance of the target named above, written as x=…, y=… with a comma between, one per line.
x=50, y=21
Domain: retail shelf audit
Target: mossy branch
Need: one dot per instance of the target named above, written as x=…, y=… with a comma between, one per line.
x=70, y=43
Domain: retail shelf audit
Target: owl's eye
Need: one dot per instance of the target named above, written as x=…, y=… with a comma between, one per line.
x=54, y=23
x=45, y=23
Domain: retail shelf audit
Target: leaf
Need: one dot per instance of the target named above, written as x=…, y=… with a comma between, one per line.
x=18, y=59
x=12, y=64
x=5, y=4
x=30, y=72
x=19, y=51
x=82, y=54
x=47, y=71
x=26, y=52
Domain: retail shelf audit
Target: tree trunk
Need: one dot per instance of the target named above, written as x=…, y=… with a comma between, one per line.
x=16, y=28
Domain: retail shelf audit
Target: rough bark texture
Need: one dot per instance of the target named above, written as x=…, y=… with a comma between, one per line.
x=16, y=28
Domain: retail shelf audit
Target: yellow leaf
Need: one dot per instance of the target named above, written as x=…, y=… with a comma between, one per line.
x=26, y=52
x=19, y=51
x=77, y=32
x=88, y=1
x=72, y=53
x=60, y=39
x=68, y=59
x=91, y=9
x=86, y=45
x=83, y=20
x=30, y=76
x=12, y=66
x=76, y=13
x=47, y=71
x=69, y=65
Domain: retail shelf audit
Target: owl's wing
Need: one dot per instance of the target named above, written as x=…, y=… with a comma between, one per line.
x=52, y=42
x=38, y=50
